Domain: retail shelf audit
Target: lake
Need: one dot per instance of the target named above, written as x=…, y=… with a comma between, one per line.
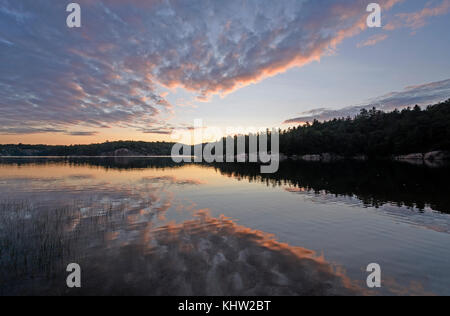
x=148, y=226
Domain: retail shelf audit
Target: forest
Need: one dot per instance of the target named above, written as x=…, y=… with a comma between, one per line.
x=373, y=133
x=119, y=148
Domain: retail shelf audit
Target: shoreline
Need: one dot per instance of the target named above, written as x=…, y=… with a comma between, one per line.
x=432, y=159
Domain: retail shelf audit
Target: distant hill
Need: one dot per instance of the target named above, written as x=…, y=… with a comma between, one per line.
x=119, y=148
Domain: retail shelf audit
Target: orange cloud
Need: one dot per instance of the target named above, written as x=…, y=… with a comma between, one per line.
x=373, y=40
x=129, y=51
x=417, y=20
x=350, y=14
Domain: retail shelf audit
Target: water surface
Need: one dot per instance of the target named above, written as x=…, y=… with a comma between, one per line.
x=149, y=226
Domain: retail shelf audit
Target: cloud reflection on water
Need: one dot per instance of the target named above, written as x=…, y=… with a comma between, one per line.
x=133, y=233
x=126, y=245
x=127, y=253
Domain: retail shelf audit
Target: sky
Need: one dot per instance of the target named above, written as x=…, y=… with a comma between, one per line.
x=138, y=70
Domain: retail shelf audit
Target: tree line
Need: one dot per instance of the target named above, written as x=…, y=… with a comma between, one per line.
x=103, y=149
x=373, y=133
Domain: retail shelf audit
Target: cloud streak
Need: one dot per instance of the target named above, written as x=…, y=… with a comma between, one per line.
x=373, y=40
x=416, y=20
x=422, y=95
x=411, y=20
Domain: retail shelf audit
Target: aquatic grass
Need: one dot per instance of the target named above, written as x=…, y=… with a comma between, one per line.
x=38, y=242
x=120, y=256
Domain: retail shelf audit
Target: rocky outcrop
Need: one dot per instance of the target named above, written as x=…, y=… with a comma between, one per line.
x=415, y=156
x=430, y=159
x=437, y=155
x=434, y=158
x=430, y=156
x=311, y=157
x=326, y=157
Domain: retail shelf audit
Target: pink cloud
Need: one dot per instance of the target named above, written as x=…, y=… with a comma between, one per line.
x=115, y=69
x=373, y=40
x=416, y=20
x=422, y=95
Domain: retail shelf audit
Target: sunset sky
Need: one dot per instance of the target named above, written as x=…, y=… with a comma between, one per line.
x=137, y=69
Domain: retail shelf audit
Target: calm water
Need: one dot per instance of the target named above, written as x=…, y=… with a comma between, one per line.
x=148, y=226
